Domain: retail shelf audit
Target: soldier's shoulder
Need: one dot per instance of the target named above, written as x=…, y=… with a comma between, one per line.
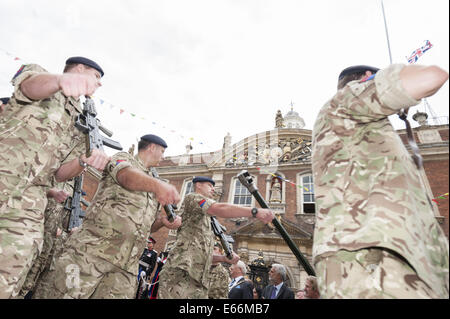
x=29, y=68
x=122, y=155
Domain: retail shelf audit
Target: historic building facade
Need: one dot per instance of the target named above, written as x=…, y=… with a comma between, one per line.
x=279, y=160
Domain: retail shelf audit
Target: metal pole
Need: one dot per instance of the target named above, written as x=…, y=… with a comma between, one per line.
x=387, y=33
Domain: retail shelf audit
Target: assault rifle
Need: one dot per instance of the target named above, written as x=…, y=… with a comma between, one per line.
x=169, y=208
x=73, y=204
x=225, y=239
x=90, y=125
x=246, y=180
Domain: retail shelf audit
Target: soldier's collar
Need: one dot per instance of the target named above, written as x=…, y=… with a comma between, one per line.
x=141, y=163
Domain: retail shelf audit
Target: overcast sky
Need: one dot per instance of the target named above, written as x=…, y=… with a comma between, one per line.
x=201, y=68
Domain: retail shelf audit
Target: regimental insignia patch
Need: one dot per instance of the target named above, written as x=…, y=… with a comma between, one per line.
x=119, y=161
x=19, y=71
x=202, y=202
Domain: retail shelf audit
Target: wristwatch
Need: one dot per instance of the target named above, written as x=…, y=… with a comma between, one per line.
x=254, y=211
x=82, y=164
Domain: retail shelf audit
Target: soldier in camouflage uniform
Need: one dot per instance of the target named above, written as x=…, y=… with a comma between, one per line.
x=36, y=132
x=186, y=272
x=52, y=217
x=219, y=277
x=376, y=235
x=101, y=259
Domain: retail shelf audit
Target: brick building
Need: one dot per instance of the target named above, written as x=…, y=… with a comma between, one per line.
x=279, y=161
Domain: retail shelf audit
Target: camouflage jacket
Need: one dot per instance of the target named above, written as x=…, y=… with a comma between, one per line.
x=35, y=136
x=368, y=191
x=117, y=221
x=219, y=278
x=194, y=245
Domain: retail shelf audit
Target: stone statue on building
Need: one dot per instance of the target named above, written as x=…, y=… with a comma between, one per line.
x=287, y=152
x=279, y=120
x=275, y=191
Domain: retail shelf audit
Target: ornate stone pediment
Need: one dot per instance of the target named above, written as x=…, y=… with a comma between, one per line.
x=270, y=148
x=257, y=229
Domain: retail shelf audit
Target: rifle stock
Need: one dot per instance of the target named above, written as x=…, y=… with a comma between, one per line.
x=246, y=180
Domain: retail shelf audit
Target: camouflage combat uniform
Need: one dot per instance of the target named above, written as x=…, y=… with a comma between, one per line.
x=34, y=137
x=186, y=272
x=218, y=282
x=101, y=259
x=376, y=235
x=54, y=214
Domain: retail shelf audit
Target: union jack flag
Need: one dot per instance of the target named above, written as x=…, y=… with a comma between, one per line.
x=419, y=52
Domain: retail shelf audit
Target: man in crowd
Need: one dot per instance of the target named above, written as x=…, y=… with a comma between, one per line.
x=36, y=133
x=239, y=287
x=376, y=235
x=277, y=289
x=147, y=261
x=186, y=272
x=101, y=259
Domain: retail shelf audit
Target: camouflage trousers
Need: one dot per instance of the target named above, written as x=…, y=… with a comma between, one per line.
x=177, y=284
x=21, y=237
x=75, y=275
x=372, y=273
x=42, y=262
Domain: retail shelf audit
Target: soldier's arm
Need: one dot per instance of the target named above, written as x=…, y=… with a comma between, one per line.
x=223, y=258
x=134, y=180
x=422, y=81
x=231, y=211
x=44, y=85
x=98, y=160
x=40, y=86
x=162, y=221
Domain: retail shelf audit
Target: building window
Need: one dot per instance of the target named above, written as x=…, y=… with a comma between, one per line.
x=189, y=188
x=305, y=197
x=241, y=194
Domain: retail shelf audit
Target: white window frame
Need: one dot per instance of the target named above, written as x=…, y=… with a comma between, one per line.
x=301, y=191
x=233, y=189
x=185, y=187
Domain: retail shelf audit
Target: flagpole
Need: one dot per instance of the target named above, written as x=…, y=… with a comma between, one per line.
x=387, y=33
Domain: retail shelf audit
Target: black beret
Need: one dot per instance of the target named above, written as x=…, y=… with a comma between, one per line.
x=151, y=240
x=85, y=61
x=4, y=100
x=154, y=139
x=357, y=69
x=200, y=179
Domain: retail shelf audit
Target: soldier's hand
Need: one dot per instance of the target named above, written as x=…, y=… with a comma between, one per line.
x=171, y=225
x=233, y=260
x=98, y=159
x=265, y=215
x=60, y=196
x=77, y=84
x=2, y=106
x=166, y=193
